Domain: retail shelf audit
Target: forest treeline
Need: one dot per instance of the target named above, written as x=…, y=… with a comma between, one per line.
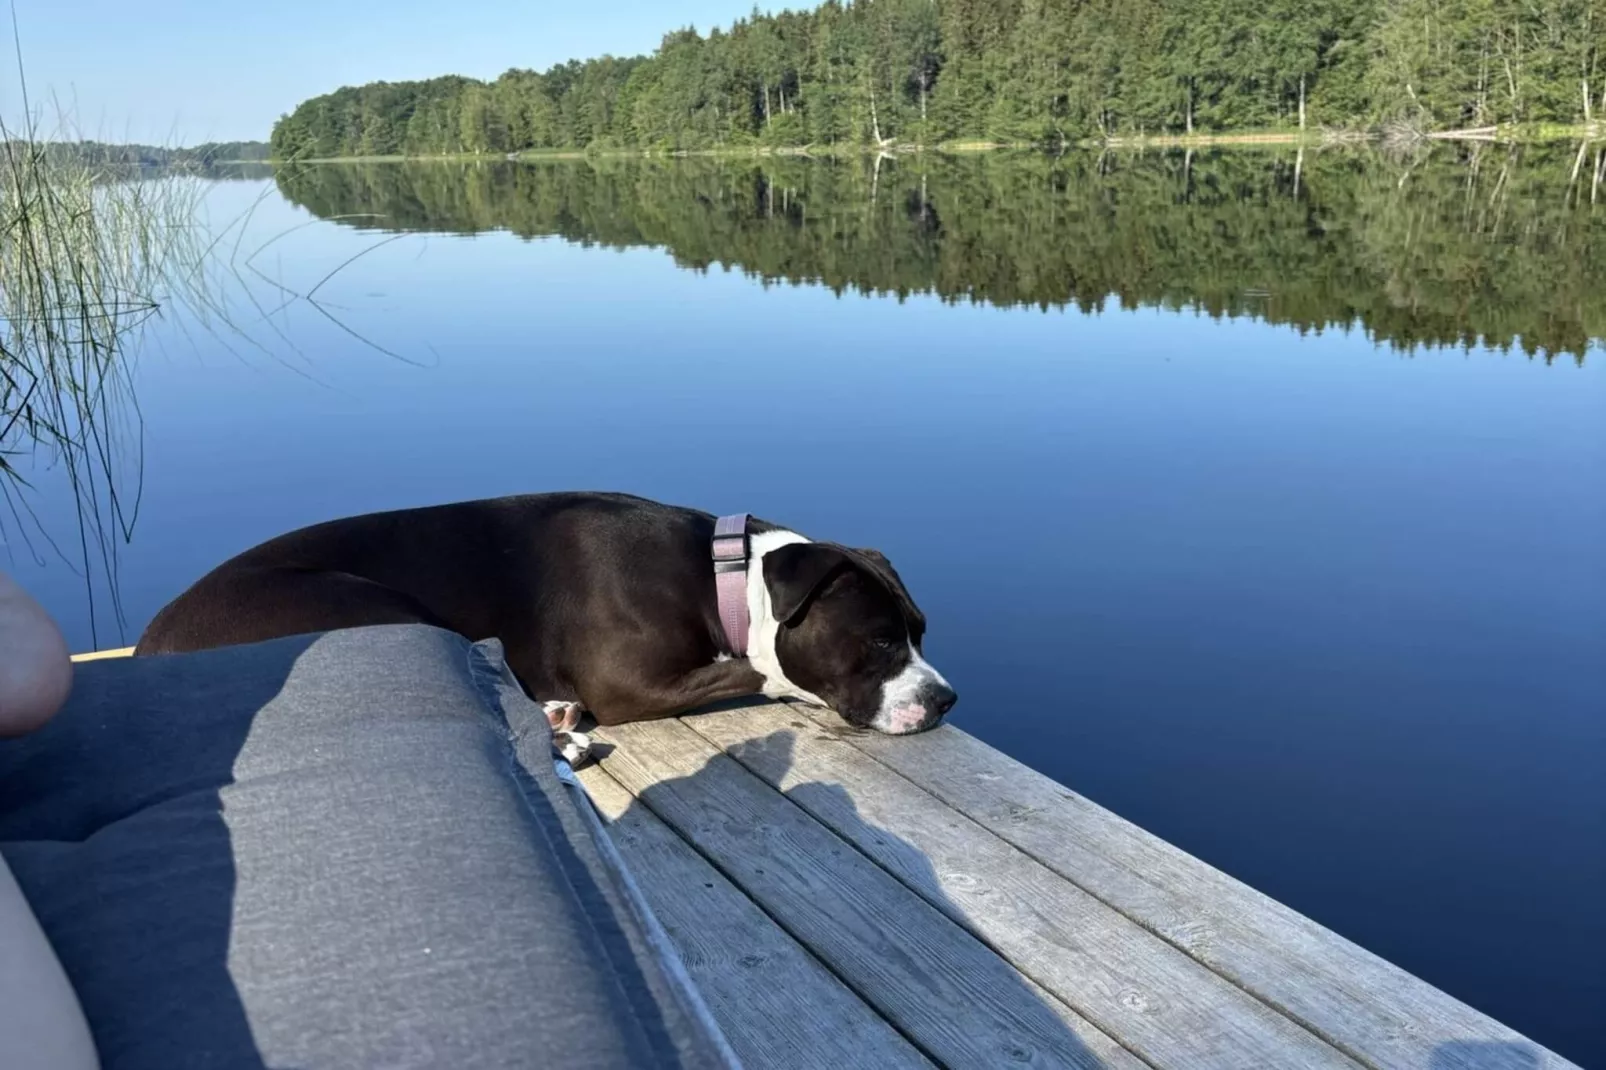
x=1451, y=248
x=1041, y=71
x=209, y=154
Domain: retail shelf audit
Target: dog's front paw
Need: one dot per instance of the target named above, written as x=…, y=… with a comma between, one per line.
x=572, y=747
x=563, y=716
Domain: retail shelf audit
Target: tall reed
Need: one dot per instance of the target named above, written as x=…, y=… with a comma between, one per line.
x=88, y=255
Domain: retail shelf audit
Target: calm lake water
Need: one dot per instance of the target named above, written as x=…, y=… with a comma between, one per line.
x=1260, y=499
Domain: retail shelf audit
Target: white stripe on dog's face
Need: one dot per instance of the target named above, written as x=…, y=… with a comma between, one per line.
x=763, y=627
x=904, y=706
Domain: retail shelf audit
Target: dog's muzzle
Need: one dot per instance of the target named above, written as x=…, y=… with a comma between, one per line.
x=907, y=709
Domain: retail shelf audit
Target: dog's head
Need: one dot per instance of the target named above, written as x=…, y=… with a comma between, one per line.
x=848, y=633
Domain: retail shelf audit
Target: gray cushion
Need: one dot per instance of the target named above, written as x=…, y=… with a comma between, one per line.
x=345, y=850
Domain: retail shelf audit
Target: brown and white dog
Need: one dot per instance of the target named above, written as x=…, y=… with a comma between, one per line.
x=606, y=603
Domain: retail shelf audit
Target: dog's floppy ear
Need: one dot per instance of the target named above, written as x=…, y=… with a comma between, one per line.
x=875, y=555
x=911, y=612
x=793, y=573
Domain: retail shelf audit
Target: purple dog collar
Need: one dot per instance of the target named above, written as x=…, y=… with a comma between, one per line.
x=730, y=579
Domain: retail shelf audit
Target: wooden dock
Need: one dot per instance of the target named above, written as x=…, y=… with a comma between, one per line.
x=845, y=899
x=104, y=655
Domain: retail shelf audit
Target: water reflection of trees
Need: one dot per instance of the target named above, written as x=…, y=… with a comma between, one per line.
x=1450, y=246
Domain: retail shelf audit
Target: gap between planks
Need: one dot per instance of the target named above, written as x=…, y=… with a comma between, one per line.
x=940, y=986
x=1372, y=1009
x=776, y=1002
x=1167, y=1007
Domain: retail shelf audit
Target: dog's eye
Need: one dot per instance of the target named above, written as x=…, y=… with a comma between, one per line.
x=881, y=644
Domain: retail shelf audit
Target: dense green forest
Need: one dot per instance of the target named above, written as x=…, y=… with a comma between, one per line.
x=1043, y=71
x=1446, y=248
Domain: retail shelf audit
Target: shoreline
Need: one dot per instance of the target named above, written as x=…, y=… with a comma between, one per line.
x=1326, y=138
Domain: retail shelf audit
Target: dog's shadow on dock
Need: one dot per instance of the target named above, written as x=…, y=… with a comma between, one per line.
x=869, y=906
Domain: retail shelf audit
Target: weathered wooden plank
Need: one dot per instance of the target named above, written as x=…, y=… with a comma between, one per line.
x=103, y=655
x=1359, y=1001
x=944, y=989
x=1156, y=1000
x=777, y=1005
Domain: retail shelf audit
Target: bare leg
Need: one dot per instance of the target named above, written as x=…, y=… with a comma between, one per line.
x=35, y=671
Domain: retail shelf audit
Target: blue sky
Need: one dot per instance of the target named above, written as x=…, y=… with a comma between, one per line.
x=185, y=71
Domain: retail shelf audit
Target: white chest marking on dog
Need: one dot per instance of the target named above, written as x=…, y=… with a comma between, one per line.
x=901, y=707
x=763, y=627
